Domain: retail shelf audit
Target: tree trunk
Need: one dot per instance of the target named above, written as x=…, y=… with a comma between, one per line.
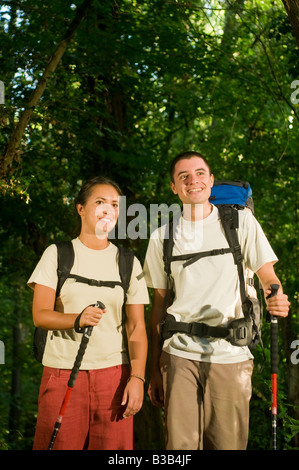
x=292, y=9
x=13, y=148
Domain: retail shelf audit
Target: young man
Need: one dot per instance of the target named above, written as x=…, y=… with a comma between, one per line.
x=204, y=383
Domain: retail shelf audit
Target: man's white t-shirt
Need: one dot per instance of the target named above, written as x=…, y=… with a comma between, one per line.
x=208, y=290
x=105, y=347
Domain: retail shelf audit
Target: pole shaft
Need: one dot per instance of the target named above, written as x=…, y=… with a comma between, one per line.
x=274, y=368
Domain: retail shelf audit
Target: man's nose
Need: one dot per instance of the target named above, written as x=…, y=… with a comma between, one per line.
x=193, y=178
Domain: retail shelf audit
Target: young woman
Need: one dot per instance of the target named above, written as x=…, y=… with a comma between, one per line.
x=109, y=387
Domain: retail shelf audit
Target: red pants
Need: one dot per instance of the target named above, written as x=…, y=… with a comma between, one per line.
x=93, y=417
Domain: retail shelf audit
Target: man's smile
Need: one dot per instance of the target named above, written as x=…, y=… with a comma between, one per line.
x=195, y=190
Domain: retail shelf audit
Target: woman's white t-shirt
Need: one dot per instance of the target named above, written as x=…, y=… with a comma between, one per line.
x=105, y=347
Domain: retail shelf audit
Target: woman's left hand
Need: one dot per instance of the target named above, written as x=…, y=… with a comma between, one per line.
x=133, y=397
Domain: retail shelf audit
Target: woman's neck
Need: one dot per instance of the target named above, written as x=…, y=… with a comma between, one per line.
x=91, y=241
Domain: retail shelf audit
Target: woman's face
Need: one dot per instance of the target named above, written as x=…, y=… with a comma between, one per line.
x=100, y=212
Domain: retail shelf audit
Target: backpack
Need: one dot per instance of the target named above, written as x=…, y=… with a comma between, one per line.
x=65, y=260
x=237, y=194
x=229, y=197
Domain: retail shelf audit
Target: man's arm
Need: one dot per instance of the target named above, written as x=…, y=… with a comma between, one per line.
x=279, y=304
x=155, y=390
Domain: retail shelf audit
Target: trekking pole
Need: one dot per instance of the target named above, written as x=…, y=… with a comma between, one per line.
x=274, y=366
x=73, y=376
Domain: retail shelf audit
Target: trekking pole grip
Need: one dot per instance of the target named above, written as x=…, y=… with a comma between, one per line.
x=274, y=334
x=83, y=345
x=79, y=357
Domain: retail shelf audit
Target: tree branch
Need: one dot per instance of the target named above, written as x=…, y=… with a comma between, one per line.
x=13, y=148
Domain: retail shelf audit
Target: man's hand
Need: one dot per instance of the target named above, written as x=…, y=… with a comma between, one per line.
x=277, y=305
x=155, y=389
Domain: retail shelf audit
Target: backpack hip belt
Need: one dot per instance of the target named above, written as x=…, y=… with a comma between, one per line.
x=238, y=332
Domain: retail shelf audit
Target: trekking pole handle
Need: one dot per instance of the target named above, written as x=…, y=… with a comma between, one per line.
x=274, y=333
x=84, y=341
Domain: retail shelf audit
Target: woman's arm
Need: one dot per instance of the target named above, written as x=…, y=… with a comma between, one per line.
x=137, y=345
x=44, y=315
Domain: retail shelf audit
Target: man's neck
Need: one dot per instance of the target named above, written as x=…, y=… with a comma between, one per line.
x=195, y=212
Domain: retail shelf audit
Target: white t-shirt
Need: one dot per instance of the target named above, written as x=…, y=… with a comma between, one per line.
x=105, y=347
x=208, y=290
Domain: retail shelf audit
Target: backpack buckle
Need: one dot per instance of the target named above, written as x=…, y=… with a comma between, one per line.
x=93, y=282
x=237, y=254
x=240, y=332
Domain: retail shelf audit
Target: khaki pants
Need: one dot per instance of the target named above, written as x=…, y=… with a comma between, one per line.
x=206, y=405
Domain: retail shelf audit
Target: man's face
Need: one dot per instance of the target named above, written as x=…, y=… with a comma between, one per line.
x=192, y=181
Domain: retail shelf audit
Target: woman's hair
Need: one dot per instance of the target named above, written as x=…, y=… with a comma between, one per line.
x=86, y=189
x=183, y=156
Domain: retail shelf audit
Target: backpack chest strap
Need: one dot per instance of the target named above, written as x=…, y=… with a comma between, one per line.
x=193, y=257
x=94, y=282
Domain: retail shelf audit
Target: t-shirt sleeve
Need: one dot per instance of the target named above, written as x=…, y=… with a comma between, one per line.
x=137, y=292
x=257, y=250
x=154, y=273
x=45, y=272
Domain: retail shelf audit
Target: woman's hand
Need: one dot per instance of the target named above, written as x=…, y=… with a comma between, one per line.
x=133, y=396
x=91, y=316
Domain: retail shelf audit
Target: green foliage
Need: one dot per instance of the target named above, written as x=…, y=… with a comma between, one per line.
x=141, y=81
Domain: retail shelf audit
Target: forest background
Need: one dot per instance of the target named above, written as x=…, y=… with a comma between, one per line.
x=118, y=87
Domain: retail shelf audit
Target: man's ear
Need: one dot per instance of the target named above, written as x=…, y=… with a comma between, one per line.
x=212, y=180
x=172, y=185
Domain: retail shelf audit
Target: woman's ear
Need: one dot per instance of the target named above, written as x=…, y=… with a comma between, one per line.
x=80, y=209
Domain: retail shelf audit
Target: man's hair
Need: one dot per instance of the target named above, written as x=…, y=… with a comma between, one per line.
x=183, y=156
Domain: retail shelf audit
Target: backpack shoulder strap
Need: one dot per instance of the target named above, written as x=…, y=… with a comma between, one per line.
x=168, y=243
x=65, y=261
x=230, y=221
x=125, y=264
